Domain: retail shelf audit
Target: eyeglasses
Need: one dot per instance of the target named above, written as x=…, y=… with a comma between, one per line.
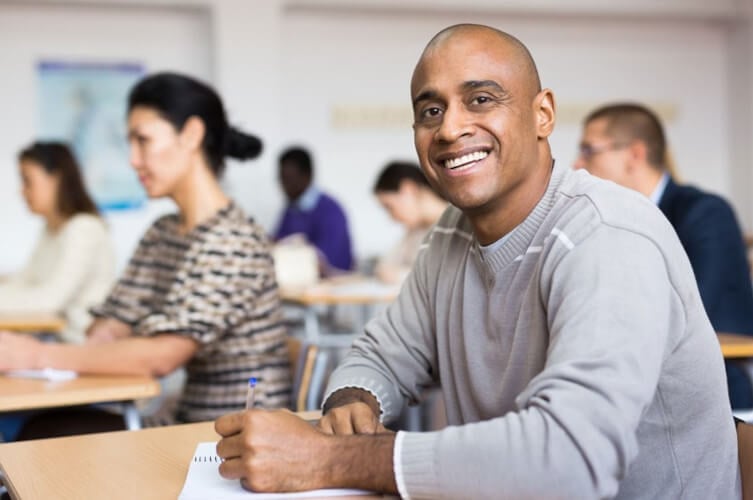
x=588, y=151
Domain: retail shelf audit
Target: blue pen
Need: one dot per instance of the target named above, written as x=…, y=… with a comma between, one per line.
x=250, y=393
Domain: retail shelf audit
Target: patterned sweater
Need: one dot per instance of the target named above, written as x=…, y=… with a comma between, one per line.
x=215, y=285
x=575, y=358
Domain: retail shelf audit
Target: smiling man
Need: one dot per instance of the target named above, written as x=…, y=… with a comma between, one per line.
x=558, y=313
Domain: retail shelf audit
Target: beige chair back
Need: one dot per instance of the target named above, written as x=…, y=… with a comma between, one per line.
x=745, y=457
x=302, y=363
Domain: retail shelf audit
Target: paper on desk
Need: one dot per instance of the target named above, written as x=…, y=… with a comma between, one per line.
x=45, y=373
x=204, y=481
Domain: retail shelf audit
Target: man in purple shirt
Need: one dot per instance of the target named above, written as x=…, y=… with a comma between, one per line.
x=311, y=212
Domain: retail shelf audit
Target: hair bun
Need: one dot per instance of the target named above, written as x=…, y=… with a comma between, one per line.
x=241, y=145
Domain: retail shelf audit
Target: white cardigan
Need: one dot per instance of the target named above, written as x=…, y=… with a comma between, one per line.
x=69, y=271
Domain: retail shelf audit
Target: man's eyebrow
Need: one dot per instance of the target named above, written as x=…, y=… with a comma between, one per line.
x=475, y=84
x=424, y=96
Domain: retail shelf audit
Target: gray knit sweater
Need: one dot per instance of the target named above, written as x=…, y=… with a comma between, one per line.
x=575, y=360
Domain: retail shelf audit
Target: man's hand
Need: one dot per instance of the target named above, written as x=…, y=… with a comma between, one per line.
x=351, y=411
x=353, y=418
x=103, y=330
x=18, y=351
x=275, y=451
x=272, y=451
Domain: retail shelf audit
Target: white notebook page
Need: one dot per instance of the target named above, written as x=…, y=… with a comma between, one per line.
x=204, y=482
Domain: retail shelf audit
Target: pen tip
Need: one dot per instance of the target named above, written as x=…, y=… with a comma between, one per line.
x=252, y=381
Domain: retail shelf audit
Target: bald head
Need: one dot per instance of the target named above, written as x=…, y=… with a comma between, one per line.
x=519, y=56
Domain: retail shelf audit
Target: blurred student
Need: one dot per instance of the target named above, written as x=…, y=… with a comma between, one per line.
x=72, y=266
x=315, y=215
x=200, y=289
x=404, y=192
x=625, y=143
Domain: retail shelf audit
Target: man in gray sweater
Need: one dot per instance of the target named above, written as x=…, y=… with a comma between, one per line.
x=558, y=313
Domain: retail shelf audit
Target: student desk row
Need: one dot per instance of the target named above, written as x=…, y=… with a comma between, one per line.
x=735, y=346
x=18, y=394
x=146, y=464
x=50, y=323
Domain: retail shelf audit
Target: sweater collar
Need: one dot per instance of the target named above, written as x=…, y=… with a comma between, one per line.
x=520, y=238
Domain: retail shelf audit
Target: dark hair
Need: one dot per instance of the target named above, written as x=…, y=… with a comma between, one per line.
x=177, y=98
x=57, y=159
x=628, y=122
x=396, y=172
x=300, y=158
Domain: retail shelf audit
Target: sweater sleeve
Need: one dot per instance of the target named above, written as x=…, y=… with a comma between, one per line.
x=396, y=356
x=80, y=240
x=573, y=433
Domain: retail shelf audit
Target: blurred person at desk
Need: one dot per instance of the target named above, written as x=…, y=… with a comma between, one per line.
x=200, y=289
x=557, y=311
x=404, y=192
x=72, y=266
x=625, y=143
x=312, y=216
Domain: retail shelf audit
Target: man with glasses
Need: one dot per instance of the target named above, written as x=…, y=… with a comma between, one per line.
x=625, y=143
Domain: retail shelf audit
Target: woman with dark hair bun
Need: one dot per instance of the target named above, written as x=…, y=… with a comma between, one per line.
x=406, y=195
x=200, y=289
x=73, y=264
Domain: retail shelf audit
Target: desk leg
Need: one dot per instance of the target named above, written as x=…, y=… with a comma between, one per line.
x=131, y=416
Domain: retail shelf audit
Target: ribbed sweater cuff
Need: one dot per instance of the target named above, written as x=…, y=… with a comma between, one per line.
x=418, y=469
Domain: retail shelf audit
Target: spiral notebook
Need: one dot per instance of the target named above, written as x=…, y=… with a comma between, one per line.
x=203, y=481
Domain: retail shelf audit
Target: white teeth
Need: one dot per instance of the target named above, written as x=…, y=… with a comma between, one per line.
x=462, y=160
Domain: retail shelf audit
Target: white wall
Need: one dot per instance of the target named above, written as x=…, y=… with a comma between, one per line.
x=286, y=68
x=335, y=60
x=159, y=38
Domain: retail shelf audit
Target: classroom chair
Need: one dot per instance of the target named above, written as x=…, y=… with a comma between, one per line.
x=303, y=360
x=745, y=457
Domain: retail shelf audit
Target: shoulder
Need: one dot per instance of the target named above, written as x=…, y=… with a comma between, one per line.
x=328, y=202
x=452, y=229
x=85, y=226
x=696, y=202
x=586, y=205
x=232, y=228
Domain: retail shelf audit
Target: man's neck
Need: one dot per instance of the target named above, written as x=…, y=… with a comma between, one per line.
x=493, y=222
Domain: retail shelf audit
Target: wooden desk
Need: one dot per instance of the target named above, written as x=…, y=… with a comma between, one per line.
x=32, y=323
x=347, y=289
x=17, y=394
x=735, y=345
x=146, y=464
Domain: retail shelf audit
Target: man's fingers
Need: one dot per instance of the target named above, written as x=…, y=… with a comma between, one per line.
x=325, y=425
x=230, y=424
x=342, y=424
x=363, y=422
x=230, y=447
x=232, y=469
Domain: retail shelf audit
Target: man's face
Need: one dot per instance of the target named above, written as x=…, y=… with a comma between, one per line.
x=602, y=155
x=474, y=125
x=293, y=181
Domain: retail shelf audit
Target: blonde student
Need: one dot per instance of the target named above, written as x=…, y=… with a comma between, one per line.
x=72, y=266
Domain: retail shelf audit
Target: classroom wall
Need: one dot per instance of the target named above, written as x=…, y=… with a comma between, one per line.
x=335, y=77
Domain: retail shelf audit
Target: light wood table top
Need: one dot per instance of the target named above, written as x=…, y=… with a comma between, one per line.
x=735, y=345
x=146, y=464
x=32, y=322
x=28, y=394
x=347, y=289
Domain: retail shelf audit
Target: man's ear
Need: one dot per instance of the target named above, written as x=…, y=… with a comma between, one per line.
x=544, y=109
x=638, y=152
x=192, y=134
